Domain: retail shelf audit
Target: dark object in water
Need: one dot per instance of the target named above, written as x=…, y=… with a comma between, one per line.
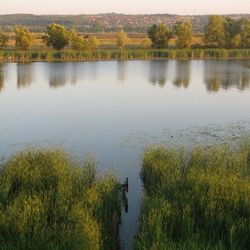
x=124, y=187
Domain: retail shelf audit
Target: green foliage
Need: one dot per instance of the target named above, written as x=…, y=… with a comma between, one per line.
x=202, y=202
x=57, y=36
x=214, y=31
x=49, y=201
x=23, y=37
x=76, y=41
x=159, y=35
x=92, y=43
x=184, y=35
x=232, y=33
x=245, y=33
x=122, y=39
x=146, y=43
x=3, y=39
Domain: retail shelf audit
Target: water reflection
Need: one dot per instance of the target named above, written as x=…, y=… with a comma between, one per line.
x=24, y=75
x=158, y=72
x=58, y=74
x=121, y=71
x=226, y=74
x=182, y=74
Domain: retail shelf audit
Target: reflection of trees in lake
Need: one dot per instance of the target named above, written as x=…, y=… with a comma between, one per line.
x=1, y=78
x=58, y=73
x=121, y=71
x=24, y=75
x=226, y=74
x=61, y=74
x=158, y=72
x=182, y=73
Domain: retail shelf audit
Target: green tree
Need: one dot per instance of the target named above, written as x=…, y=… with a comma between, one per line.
x=122, y=39
x=3, y=39
x=92, y=43
x=146, y=43
x=159, y=35
x=184, y=34
x=236, y=42
x=76, y=41
x=232, y=32
x=23, y=37
x=214, y=31
x=245, y=33
x=57, y=36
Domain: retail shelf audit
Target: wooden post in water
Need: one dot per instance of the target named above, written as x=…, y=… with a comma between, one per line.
x=124, y=194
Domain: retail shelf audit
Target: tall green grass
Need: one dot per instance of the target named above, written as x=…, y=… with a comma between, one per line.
x=49, y=201
x=199, y=203
x=126, y=54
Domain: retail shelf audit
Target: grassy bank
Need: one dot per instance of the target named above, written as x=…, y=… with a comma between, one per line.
x=49, y=201
x=199, y=203
x=126, y=54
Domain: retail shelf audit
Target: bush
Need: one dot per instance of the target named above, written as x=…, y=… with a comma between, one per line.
x=48, y=201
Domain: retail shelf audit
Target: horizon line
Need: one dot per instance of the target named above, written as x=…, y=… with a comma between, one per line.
x=117, y=13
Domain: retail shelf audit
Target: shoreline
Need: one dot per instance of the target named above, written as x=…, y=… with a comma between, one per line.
x=122, y=55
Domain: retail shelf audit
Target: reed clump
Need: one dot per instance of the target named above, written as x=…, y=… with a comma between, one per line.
x=199, y=203
x=121, y=54
x=49, y=201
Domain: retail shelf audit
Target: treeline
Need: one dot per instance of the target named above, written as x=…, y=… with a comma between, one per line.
x=219, y=33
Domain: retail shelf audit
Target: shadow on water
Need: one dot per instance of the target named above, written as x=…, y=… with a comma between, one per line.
x=24, y=75
x=225, y=75
x=182, y=74
x=158, y=72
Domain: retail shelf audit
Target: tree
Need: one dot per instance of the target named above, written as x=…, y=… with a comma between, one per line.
x=3, y=39
x=159, y=35
x=146, y=43
x=184, y=34
x=232, y=32
x=214, y=31
x=122, y=39
x=245, y=33
x=23, y=37
x=57, y=36
x=76, y=41
x=92, y=43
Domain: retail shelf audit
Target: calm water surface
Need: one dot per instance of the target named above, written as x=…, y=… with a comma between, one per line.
x=115, y=109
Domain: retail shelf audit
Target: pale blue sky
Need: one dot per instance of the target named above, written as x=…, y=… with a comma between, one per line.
x=125, y=6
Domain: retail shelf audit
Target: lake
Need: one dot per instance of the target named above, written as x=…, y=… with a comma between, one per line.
x=115, y=109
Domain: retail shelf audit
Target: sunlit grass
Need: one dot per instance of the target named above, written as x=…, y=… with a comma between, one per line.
x=202, y=202
x=118, y=54
x=49, y=201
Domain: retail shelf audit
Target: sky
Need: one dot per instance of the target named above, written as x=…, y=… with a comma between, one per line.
x=125, y=6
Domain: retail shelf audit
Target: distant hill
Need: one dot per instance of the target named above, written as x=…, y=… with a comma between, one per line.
x=109, y=22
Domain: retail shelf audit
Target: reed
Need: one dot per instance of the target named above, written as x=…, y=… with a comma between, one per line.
x=202, y=202
x=49, y=201
x=118, y=54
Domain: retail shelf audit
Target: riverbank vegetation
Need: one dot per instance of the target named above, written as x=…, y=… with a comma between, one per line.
x=49, y=201
x=202, y=202
x=125, y=54
x=219, y=32
x=222, y=38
